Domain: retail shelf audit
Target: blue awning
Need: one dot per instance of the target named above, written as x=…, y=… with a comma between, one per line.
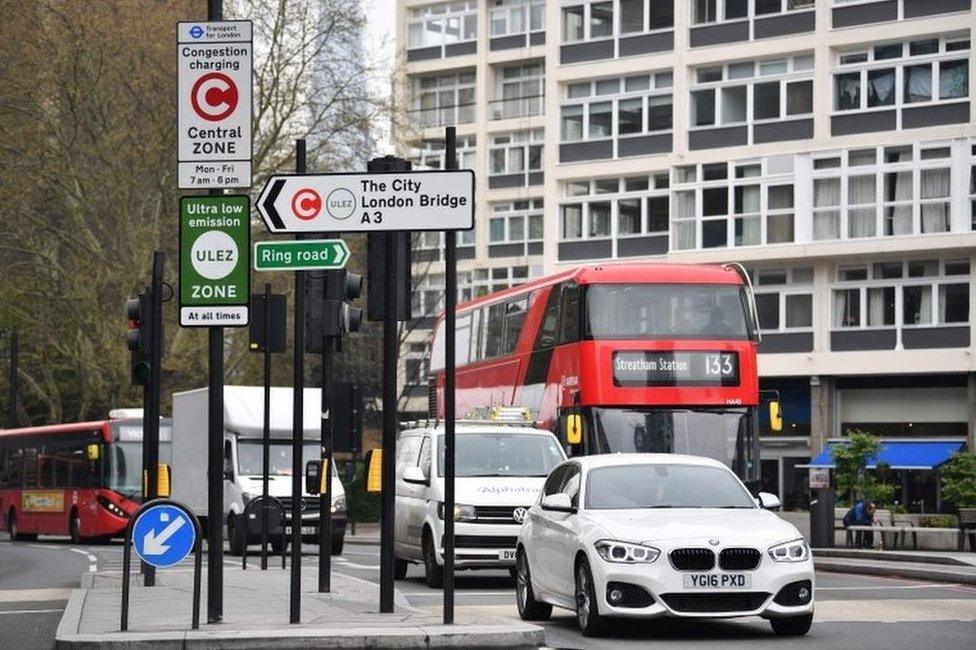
x=900, y=454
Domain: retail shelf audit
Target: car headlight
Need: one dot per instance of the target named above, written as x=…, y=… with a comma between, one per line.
x=339, y=504
x=111, y=507
x=625, y=552
x=795, y=551
x=461, y=512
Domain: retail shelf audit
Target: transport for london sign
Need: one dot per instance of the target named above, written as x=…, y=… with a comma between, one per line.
x=214, y=104
x=369, y=202
x=215, y=238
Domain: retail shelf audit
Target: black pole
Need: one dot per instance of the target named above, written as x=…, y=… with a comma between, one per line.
x=215, y=442
x=12, y=385
x=150, y=435
x=266, y=451
x=298, y=426
x=450, y=301
x=147, y=570
x=388, y=494
x=325, y=498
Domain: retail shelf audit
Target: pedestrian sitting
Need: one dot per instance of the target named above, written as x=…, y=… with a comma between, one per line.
x=862, y=514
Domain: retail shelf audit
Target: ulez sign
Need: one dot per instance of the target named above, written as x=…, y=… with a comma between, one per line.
x=300, y=255
x=215, y=238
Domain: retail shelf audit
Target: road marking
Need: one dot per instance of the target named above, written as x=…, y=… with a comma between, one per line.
x=30, y=611
x=930, y=585
x=372, y=567
x=92, y=560
x=24, y=595
x=460, y=593
x=895, y=610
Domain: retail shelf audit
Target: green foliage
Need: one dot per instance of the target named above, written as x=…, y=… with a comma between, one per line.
x=364, y=506
x=959, y=480
x=938, y=521
x=854, y=481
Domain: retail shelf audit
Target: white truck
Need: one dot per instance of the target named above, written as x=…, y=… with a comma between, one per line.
x=243, y=459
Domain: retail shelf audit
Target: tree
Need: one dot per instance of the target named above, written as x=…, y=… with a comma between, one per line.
x=959, y=480
x=852, y=478
x=87, y=154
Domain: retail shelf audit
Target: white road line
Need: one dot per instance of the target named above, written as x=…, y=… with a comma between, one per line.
x=347, y=563
x=92, y=560
x=930, y=585
x=30, y=611
x=460, y=593
x=26, y=595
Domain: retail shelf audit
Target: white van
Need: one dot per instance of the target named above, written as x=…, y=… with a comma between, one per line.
x=243, y=457
x=500, y=469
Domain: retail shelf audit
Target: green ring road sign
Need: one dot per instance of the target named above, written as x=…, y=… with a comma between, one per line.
x=300, y=255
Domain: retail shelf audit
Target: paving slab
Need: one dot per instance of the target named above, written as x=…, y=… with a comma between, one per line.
x=256, y=610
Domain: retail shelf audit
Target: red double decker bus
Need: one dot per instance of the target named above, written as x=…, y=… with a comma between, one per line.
x=83, y=480
x=647, y=357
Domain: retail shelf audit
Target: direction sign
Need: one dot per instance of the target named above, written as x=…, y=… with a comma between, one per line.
x=215, y=243
x=163, y=535
x=369, y=202
x=300, y=255
x=214, y=104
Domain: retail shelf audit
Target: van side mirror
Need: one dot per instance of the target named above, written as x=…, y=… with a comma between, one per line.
x=415, y=475
x=768, y=501
x=228, y=462
x=574, y=429
x=775, y=416
x=314, y=476
x=558, y=502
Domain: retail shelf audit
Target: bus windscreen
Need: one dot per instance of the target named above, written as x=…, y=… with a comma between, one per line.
x=665, y=311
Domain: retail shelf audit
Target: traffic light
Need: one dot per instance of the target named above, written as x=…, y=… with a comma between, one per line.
x=139, y=338
x=352, y=288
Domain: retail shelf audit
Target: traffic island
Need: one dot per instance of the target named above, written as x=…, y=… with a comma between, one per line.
x=256, y=608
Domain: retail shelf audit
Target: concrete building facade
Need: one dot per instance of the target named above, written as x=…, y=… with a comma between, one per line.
x=827, y=145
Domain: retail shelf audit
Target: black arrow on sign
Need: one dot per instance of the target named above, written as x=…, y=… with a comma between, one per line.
x=269, y=202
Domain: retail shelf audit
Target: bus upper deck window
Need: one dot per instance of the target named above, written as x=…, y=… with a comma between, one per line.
x=570, y=313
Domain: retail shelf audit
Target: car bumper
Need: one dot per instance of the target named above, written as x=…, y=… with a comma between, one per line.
x=771, y=581
x=481, y=546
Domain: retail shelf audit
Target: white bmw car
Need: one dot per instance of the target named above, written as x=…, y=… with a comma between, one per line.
x=648, y=535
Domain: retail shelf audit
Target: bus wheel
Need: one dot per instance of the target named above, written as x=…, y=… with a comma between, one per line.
x=14, y=529
x=74, y=528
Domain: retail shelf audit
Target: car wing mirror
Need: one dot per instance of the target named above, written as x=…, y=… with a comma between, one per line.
x=415, y=475
x=558, y=502
x=768, y=501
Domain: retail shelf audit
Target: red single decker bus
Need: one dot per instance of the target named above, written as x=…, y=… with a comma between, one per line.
x=83, y=480
x=618, y=358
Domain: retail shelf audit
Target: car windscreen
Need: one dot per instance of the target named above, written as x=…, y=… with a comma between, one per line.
x=665, y=311
x=250, y=455
x=502, y=454
x=664, y=486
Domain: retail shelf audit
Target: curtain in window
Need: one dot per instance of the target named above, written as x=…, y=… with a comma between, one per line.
x=881, y=87
x=683, y=232
x=935, y=184
x=953, y=79
x=848, y=91
x=847, y=308
x=917, y=307
x=826, y=193
x=779, y=228
x=918, y=83
x=860, y=190
x=881, y=306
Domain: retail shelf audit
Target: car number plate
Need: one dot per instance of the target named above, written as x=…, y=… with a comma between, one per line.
x=309, y=530
x=507, y=554
x=718, y=581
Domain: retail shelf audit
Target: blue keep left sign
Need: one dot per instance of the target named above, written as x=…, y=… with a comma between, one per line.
x=163, y=535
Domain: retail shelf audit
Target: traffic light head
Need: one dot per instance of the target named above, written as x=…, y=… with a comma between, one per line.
x=352, y=286
x=138, y=338
x=352, y=318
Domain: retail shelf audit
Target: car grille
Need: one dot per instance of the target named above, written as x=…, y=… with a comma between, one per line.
x=739, y=559
x=484, y=541
x=311, y=504
x=745, y=601
x=495, y=514
x=692, y=559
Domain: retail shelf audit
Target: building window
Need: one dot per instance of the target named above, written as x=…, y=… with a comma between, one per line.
x=634, y=206
x=515, y=153
x=519, y=91
x=442, y=100
x=899, y=74
x=443, y=24
x=887, y=191
x=516, y=222
x=430, y=153
x=752, y=92
x=607, y=108
x=513, y=17
x=972, y=186
x=735, y=205
x=595, y=20
x=903, y=295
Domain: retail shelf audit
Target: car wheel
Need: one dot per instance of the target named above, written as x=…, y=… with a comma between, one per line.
x=433, y=572
x=74, y=527
x=590, y=621
x=400, y=568
x=278, y=544
x=792, y=625
x=338, y=542
x=235, y=536
x=529, y=608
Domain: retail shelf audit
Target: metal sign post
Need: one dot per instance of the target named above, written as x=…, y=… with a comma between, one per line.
x=297, y=427
x=450, y=301
x=150, y=414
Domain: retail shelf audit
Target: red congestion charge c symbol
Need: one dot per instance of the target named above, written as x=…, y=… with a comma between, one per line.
x=306, y=204
x=214, y=96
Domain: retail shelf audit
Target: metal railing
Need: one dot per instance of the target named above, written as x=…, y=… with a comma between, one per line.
x=426, y=118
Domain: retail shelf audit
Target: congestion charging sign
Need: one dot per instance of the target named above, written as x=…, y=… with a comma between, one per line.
x=214, y=104
x=215, y=238
x=369, y=202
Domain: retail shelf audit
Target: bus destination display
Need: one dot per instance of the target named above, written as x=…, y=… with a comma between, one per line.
x=675, y=368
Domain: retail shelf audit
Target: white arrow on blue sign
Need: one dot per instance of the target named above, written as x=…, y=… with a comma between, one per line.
x=163, y=535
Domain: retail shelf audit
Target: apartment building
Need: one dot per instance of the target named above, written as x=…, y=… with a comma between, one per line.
x=827, y=145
